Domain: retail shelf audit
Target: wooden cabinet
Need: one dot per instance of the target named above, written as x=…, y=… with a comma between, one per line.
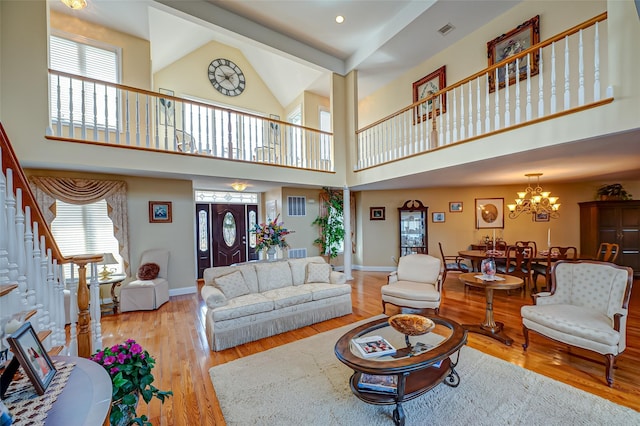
x=612, y=222
x=413, y=227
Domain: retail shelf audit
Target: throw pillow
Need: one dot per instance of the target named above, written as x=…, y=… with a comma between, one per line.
x=232, y=285
x=318, y=272
x=148, y=271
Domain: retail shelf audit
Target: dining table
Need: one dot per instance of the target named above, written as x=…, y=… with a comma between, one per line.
x=476, y=256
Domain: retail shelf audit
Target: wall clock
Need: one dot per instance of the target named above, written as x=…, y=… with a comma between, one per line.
x=226, y=77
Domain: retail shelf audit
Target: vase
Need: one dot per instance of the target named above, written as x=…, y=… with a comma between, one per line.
x=271, y=253
x=128, y=411
x=488, y=267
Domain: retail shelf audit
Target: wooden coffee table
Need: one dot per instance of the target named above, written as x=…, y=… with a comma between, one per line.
x=489, y=327
x=416, y=374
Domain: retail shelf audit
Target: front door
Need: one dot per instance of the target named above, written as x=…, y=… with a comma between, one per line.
x=229, y=234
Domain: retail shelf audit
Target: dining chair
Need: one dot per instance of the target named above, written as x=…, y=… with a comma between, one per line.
x=608, y=252
x=553, y=254
x=452, y=263
x=518, y=263
x=502, y=246
x=532, y=244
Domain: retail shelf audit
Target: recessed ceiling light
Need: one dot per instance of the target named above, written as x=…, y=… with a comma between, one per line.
x=339, y=19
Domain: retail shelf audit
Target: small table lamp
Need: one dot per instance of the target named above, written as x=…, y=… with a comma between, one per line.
x=107, y=259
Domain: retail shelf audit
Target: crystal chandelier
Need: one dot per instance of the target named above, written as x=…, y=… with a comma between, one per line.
x=534, y=200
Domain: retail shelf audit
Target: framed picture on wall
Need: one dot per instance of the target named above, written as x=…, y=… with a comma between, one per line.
x=540, y=217
x=455, y=206
x=160, y=212
x=489, y=213
x=515, y=41
x=426, y=87
x=376, y=213
x=437, y=217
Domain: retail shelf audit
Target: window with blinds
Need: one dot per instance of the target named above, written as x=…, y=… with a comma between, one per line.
x=85, y=229
x=84, y=102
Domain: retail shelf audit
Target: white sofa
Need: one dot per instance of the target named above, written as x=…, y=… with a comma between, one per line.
x=253, y=300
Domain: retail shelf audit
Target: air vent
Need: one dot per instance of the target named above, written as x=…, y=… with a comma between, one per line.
x=297, y=253
x=446, y=29
x=297, y=206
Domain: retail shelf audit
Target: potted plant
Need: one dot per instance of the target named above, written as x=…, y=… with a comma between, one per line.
x=614, y=191
x=331, y=224
x=130, y=369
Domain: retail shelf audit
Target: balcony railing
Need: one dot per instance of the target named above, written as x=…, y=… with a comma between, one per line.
x=85, y=109
x=558, y=76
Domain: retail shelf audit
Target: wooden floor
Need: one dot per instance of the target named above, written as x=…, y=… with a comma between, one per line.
x=174, y=335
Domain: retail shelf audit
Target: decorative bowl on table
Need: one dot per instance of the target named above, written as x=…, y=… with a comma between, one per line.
x=411, y=325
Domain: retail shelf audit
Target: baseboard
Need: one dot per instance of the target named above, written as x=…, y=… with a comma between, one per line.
x=183, y=290
x=374, y=268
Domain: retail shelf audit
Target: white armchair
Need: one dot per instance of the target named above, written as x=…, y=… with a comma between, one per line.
x=416, y=284
x=587, y=307
x=147, y=294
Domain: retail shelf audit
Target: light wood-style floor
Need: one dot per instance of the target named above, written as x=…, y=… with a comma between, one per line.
x=174, y=335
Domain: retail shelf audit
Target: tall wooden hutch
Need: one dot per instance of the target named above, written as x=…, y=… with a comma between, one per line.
x=413, y=228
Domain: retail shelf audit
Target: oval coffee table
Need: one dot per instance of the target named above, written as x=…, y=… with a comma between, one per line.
x=446, y=339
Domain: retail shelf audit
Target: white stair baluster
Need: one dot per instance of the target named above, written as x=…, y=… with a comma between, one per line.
x=580, y=70
x=553, y=79
x=540, y=87
x=596, y=66
x=567, y=91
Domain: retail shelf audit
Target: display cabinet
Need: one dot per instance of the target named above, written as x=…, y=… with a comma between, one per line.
x=413, y=227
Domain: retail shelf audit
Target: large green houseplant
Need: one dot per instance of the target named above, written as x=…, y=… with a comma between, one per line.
x=331, y=223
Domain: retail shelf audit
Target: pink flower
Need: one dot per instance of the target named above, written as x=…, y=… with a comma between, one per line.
x=122, y=358
x=136, y=349
x=114, y=370
x=109, y=360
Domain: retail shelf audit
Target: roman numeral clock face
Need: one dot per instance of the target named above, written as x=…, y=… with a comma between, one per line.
x=226, y=77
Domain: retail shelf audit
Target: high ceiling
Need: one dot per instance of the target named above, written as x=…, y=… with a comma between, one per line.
x=296, y=45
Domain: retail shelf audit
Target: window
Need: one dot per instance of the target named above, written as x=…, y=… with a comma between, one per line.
x=84, y=229
x=73, y=101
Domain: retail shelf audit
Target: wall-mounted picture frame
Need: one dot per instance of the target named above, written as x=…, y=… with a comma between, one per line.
x=160, y=212
x=272, y=209
x=376, y=213
x=513, y=42
x=540, y=217
x=455, y=206
x=32, y=356
x=437, y=217
x=167, y=108
x=489, y=213
x=426, y=87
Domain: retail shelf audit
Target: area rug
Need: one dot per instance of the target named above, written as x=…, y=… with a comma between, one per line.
x=303, y=383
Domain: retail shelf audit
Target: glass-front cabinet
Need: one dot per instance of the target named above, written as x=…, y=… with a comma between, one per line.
x=413, y=227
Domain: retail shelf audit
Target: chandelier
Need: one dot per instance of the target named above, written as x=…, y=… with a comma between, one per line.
x=75, y=4
x=535, y=201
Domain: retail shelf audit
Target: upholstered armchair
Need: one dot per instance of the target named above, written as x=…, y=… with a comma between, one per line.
x=587, y=307
x=151, y=289
x=416, y=284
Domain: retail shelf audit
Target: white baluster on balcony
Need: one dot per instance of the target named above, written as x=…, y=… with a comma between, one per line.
x=59, y=107
x=96, y=328
x=95, y=113
x=596, y=66
x=540, y=85
x=21, y=255
x=72, y=285
x=470, y=128
x=106, y=115
x=507, y=100
x=47, y=296
x=28, y=243
x=127, y=120
x=441, y=134
x=147, y=119
x=137, y=114
x=553, y=78
x=580, y=70
x=12, y=243
x=52, y=305
x=71, y=127
x=528, y=107
x=448, y=134
x=455, y=114
x=487, y=114
x=82, y=111
x=36, y=277
x=478, y=108
x=496, y=115
x=517, y=108
x=567, y=91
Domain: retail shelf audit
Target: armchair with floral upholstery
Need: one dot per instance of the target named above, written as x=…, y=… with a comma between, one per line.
x=417, y=283
x=587, y=307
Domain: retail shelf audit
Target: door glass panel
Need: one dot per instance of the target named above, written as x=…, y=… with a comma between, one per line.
x=202, y=230
x=252, y=224
x=229, y=229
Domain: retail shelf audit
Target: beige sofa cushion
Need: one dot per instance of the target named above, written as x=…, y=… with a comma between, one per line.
x=318, y=273
x=232, y=285
x=242, y=306
x=273, y=275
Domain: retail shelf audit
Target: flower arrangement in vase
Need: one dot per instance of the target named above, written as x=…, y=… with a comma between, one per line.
x=130, y=369
x=271, y=234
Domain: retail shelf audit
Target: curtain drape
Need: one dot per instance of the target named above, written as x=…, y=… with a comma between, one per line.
x=85, y=191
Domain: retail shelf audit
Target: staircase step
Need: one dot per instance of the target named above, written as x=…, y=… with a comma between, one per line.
x=43, y=334
x=7, y=288
x=55, y=350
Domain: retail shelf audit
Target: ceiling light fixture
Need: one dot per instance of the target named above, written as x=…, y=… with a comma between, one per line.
x=239, y=186
x=339, y=19
x=75, y=4
x=534, y=201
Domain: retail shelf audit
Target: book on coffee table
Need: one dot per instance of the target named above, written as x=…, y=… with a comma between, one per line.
x=374, y=346
x=372, y=382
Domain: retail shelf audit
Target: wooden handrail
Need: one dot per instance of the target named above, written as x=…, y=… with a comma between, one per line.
x=10, y=161
x=490, y=69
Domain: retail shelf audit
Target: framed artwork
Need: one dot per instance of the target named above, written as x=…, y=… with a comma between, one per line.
x=167, y=108
x=426, y=87
x=455, y=206
x=160, y=212
x=437, y=217
x=515, y=41
x=489, y=213
x=376, y=213
x=272, y=209
x=540, y=217
x=32, y=356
